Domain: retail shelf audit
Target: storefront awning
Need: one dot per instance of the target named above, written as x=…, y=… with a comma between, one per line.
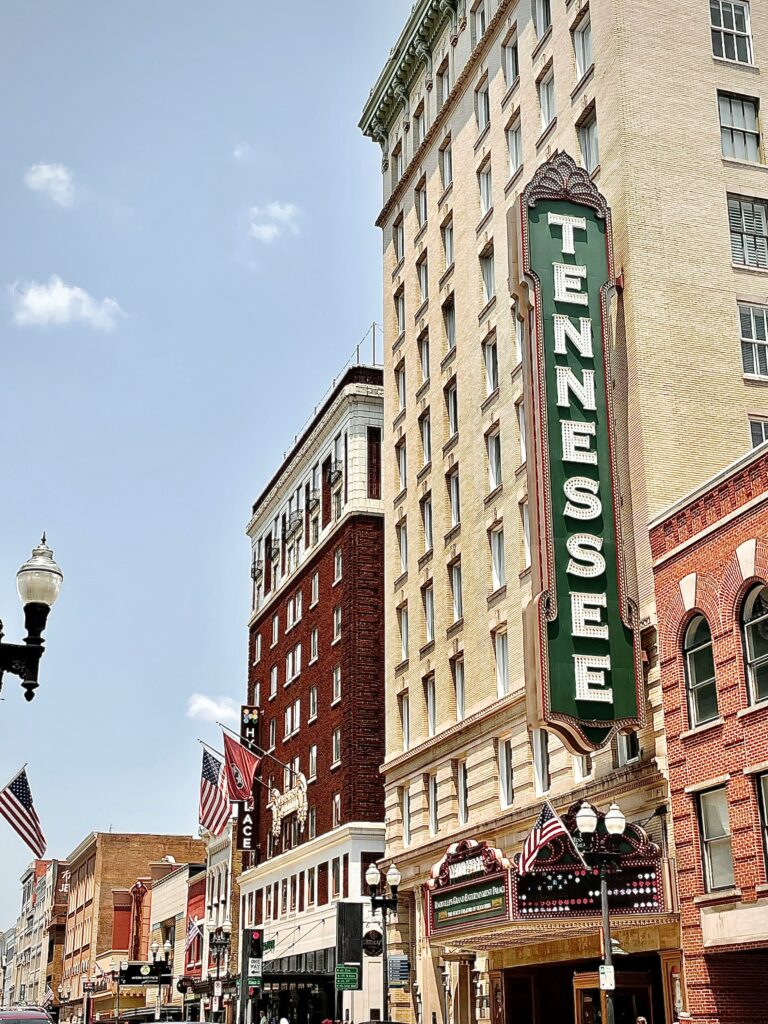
x=524, y=934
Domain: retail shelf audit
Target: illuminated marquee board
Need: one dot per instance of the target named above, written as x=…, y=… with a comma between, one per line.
x=586, y=642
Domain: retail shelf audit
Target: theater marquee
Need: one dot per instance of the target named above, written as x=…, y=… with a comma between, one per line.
x=583, y=627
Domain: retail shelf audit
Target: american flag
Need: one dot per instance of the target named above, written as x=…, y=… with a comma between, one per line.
x=17, y=808
x=193, y=929
x=214, y=796
x=547, y=826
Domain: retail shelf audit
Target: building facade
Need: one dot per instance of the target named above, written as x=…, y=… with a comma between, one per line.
x=711, y=567
x=28, y=931
x=7, y=954
x=316, y=675
x=473, y=98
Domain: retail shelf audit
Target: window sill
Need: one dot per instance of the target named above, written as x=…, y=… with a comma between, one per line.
x=421, y=311
x=582, y=81
x=421, y=232
x=541, y=43
x=452, y=630
x=426, y=558
x=271, y=696
x=524, y=572
x=497, y=595
x=705, y=727
x=452, y=534
x=424, y=471
x=335, y=701
x=488, y=402
x=400, y=498
x=736, y=64
x=312, y=778
x=482, y=136
x=446, y=192
x=399, y=418
x=487, y=308
x=546, y=133
x=510, y=92
x=401, y=666
x=451, y=443
x=490, y=498
x=423, y=389
x=335, y=765
x=718, y=896
x=399, y=267
x=749, y=270
x=753, y=709
x=513, y=181
x=754, y=378
x=484, y=221
x=336, y=640
x=397, y=343
x=314, y=604
x=448, y=274
x=401, y=580
x=732, y=161
x=448, y=357
x=427, y=649
x=336, y=582
x=520, y=471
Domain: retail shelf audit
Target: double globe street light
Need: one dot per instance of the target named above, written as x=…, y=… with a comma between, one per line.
x=38, y=582
x=386, y=904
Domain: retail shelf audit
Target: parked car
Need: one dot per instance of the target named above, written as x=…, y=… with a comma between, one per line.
x=24, y=1015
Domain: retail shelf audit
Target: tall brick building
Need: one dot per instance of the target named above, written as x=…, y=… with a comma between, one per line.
x=316, y=673
x=710, y=553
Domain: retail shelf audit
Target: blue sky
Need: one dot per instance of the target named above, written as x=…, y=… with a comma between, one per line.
x=190, y=255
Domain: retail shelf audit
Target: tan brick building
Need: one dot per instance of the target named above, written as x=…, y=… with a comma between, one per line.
x=662, y=107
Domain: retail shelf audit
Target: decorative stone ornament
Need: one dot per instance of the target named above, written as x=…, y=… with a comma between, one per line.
x=583, y=646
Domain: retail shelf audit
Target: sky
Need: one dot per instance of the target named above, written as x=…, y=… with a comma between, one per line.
x=189, y=256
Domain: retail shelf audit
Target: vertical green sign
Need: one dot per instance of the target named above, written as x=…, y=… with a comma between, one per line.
x=586, y=642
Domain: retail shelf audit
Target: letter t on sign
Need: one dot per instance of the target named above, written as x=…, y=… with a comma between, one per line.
x=568, y=224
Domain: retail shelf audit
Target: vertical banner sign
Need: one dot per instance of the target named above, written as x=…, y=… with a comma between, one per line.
x=585, y=635
x=246, y=813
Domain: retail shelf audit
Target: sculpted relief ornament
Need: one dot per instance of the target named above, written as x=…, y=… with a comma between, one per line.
x=294, y=800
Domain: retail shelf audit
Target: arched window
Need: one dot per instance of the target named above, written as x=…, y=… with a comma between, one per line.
x=700, y=672
x=754, y=625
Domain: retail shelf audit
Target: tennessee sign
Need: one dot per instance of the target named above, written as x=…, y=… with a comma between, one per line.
x=584, y=627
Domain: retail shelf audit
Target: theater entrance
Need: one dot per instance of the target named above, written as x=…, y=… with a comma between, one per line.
x=632, y=998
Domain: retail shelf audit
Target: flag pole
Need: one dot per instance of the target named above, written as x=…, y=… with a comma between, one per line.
x=254, y=746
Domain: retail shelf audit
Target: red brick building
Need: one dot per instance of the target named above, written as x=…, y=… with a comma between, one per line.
x=710, y=555
x=317, y=674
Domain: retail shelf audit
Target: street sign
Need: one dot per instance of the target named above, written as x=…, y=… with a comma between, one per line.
x=607, y=978
x=398, y=971
x=217, y=988
x=254, y=967
x=347, y=978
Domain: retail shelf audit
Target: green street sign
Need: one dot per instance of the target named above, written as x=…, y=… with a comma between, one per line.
x=347, y=978
x=583, y=624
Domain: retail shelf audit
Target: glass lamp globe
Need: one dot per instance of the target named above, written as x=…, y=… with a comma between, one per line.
x=227, y=927
x=615, y=821
x=39, y=580
x=393, y=876
x=586, y=819
x=372, y=876
x=154, y=948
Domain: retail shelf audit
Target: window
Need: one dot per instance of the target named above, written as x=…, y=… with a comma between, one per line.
x=482, y=107
x=272, y=734
x=520, y=413
x=402, y=620
x=443, y=82
x=400, y=311
x=493, y=442
x=491, y=359
x=458, y=604
x=446, y=165
x=336, y=810
x=424, y=356
x=731, y=34
x=336, y=747
x=297, y=715
x=337, y=565
x=426, y=522
x=288, y=721
x=498, y=568
x=754, y=339
x=501, y=650
x=762, y=795
x=312, y=703
x=398, y=239
x=373, y=461
x=430, y=701
x=479, y=21
x=400, y=386
x=627, y=748
x=311, y=833
x=457, y=669
x=337, y=622
x=748, y=221
x=313, y=645
x=582, y=767
x=405, y=719
x=432, y=804
x=519, y=337
x=452, y=407
x=540, y=743
x=420, y=199
x=754, y=622
x=488, y=274
x=526, y=524
x=542, y=17
x=275, y=629
x=547, y=100
x=716, y=839
x=447, y=232
x=588, y=143
x=402, y=465
x=273, y=681
x=315, y=588
x=313, y=761
x=582, y=47
x=405, y=814
x=336, y=683
x=462, y=786
x=739, y=126
x=418, y=127
x=428, y=595
x=336, y=877
x=257, y=651
x=422, y=268
x=758, y=430
x=257, y=695
x=511, y=63
x=485, y=184
x=700, y=672
x=449, y=320
x=506, y=784
x=311, y=880
x=397, y=163
x=515, y=147
x=454, y=498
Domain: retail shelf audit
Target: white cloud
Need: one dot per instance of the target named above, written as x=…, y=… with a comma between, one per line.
x=269, y=222
x=56, y=303
x=212, y=709
x=242, y=151
x=55, y=180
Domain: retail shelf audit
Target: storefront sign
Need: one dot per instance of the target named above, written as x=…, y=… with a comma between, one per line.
x=140, y=973
x=347, y=978
x=373, y=943
x=245, y=831
x=398, y=971
x=586, y=641
x=469, y=884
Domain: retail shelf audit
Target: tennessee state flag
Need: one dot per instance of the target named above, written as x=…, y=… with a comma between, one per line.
x=241, y=766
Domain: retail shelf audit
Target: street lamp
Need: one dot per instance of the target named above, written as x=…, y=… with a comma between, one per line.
x=602, y=853
x=220, y=943
x=38, y=582
x=63, y=998
x=385, y=904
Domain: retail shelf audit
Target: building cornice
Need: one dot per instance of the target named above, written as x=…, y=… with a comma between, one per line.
x=438, y=125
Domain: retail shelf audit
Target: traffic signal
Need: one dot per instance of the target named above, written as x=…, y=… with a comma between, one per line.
x=254, y=943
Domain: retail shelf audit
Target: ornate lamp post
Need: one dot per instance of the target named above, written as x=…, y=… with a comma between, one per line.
x=601, y=851
x=63, y=998
x=220, y=944
x=385, y=904
x=38, y=582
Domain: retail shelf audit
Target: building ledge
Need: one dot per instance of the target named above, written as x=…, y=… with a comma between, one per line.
x=697, y=730
x=732, y=895
x=753, y=709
